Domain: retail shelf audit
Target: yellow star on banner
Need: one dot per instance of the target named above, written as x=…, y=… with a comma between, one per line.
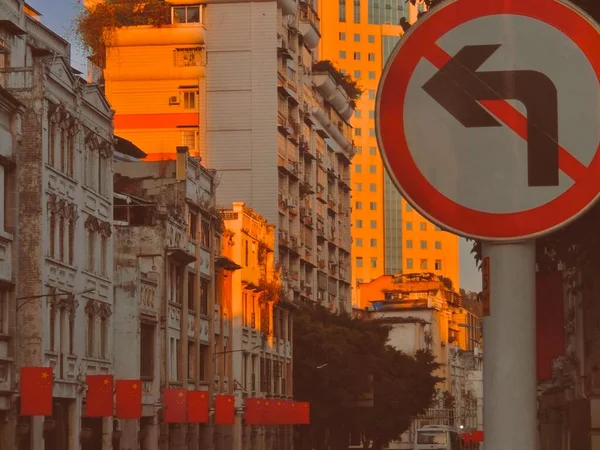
x=181, y=394
x=228, y=400
x=135, y=386
x=105, y=381
x=202, y=396
x=44, y=375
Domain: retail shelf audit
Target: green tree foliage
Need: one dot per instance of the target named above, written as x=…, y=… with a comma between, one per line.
x=357, y=360
x=349, y=84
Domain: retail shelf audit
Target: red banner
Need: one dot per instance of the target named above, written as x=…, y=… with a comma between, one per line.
x=99, y=397
x=254, y=411
x=224, y=409
x=303, y=414
x=36, y=391
x=550, y=321
x=197, y=404
x=129, y=399
x=175, y=404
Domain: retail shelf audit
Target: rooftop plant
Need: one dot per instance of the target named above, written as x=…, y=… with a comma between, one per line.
x=349, y=84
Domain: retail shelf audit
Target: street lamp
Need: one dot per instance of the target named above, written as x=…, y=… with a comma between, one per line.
x=58, y=294
x=233, y=351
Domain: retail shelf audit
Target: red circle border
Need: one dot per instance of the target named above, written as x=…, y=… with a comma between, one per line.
x=390, y=112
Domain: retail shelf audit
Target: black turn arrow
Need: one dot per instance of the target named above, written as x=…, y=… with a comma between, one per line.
x=458, y=87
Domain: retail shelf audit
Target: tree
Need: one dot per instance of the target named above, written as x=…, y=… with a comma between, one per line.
x=358, y=360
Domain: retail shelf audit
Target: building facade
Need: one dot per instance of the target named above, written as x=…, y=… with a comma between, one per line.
x=59, y=218
x=257, y=114
x=169, y=316
x=389, y=237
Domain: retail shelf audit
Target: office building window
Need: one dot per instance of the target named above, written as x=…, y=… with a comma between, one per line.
x=188, y=139
x=373, y=263
x=423, y=226
x=356, y=57
x=371, y=39
x=409, y=226
x=371, y=75
x=423, y=245
x=357, y=113
x=356, y=36
x=371, y=114
x=186, y=14
x=387, y=12
x=408, y=208
x=358, y=223
x=372, y=187
x=342, y=11
x=357, y=73
x=358, y=205
x=438, y=245
x=409, y=263
x=356, y=13
x=358, y=132
x=371, y=57
x=342, y=54
x=437, y=228
x=189, y=100
x=373, y=243
x=372, y=150
x=358, y=168
x=372, y=132
x=438, y=264
x=423, y=264
x=358, y=187
x=373, y=206
x=358, y=150
x=342, y=36
x=372, y=169
x=373, y=224
x=343, y=71
x=359, y=261
x=372, y=94
x=409, y=244
x=359, y=242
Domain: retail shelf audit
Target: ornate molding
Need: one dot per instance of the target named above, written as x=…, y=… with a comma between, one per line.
x=62, y=208
x=104, y=310
x=92, y=307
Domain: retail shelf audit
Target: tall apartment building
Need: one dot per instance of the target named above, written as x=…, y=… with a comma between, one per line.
x=389, y=237
x=58, y=143
x=277, y=134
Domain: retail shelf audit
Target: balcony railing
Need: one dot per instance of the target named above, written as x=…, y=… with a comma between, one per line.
x=308, y=14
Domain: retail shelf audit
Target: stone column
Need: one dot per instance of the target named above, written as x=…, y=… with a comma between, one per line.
x=107, y=429
x=37, y=433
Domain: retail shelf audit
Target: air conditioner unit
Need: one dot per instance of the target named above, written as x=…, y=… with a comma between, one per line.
x=174, y=100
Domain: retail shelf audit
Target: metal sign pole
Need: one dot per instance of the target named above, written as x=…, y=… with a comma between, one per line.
x=509, y=333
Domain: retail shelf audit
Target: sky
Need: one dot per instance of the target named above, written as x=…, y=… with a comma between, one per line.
x=58, y=15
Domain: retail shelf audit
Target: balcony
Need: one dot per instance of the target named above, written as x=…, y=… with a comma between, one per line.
x=287, y=6
x=309, y=25
x=5, y=257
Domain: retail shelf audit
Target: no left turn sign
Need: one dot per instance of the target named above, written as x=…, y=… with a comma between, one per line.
x=488, y=116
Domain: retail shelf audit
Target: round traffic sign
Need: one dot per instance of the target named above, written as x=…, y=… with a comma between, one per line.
x=487, y=116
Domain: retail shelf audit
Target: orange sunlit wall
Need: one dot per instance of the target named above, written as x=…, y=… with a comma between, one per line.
x=388, y=236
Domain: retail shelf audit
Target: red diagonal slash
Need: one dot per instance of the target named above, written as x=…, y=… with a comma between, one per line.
x=512, y=118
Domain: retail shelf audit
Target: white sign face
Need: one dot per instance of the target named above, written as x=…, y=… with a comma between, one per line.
x=487, y=117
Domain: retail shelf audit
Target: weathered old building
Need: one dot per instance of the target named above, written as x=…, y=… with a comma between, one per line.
x=59, y=218
x=167, y=246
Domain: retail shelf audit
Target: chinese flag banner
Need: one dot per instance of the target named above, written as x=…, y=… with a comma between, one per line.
x=36, y=391
x=268, y=417
x=254, y=411
x=477, y=436
x=279, y=412
x=303, y=414
x=224, y=409
x=175, y=406
x=292, y=413
x=99, y=396
x=197, y=407
x=129, y=399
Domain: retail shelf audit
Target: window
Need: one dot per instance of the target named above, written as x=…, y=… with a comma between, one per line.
x=358, y=150
x=358, y=205
x=372, y=132
x=372, y=169
x=342, y=36
x=372, y=150
x=373, y=224
x=372, y=75
x=409, y=263
x=176, y=288
x=202, y=375
x=373, y=243
x=188, y=57
x=423, y=245
x=192, y=225
x=191, y=361
x=189, y=100
x=342, y=11
x=204, y=288
x=359, y=261
x=408, y=208
x=372, y=187
x=357, y=73
x=104, y=256
x=423, y=226
x=373, y=206
x=356, y=57
x=191, y=299
x=438, y=245
x=52, y=142
x=205, y=236
x=409, y=226
x=423, y=264
x=359, y=242
x=357, y=113
x=438, y=264
x=373, y=263
x=372, y=94
x=409, y=243
x=437, y=228
x=371, y=56
x=71, y=242
x=186, y=14
x=147, y=350
x=371, y=39
x=61, y=239
x=358, y=168
x=91, y=247
x=371, y=114
x=359, y=187
x=356, y=15
x=356, y=35
x=174, y=353
x=104, y=353
x=102, y=175
x=90, y=350
x=357, y=132
x=359, y=223
x=342, y=54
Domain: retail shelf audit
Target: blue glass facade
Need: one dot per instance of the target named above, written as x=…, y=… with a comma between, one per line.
x=386, y=11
